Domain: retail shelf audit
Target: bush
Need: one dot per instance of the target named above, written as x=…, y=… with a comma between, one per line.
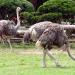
x=9, y=7
x=30, y=18
x=12, y=4
x=34, y=17
x=54, y=17
x=37, y=3
x=62, y=6
x=27, y=6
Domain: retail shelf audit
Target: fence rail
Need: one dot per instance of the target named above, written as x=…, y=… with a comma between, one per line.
x=21, y=31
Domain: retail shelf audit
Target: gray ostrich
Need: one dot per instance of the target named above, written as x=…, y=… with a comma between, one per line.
x=34, y=32
x=3, y=24
x=54, y=35
x=8, y=28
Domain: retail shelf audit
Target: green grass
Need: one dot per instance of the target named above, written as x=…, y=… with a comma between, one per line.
x=14, y=63
x=18, y=45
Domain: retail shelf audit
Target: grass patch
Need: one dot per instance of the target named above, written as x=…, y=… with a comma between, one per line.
x=27, y=46
x=16, y=64
x=18, y=45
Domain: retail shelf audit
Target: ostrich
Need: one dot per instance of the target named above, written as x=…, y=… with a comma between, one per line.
x=2, y=24
x=54, y=35
x=34, y=32
x=8, y=28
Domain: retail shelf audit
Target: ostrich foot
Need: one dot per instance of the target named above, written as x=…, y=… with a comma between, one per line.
x=59, y=65
x=44, y=66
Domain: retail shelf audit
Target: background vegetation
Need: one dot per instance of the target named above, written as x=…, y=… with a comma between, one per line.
x=39, y=10
x=8, y=7
x=52, y=10
x=27, y=61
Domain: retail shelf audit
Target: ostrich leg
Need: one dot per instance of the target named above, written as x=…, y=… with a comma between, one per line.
x=3, y=37
x=44, y=59
x=8, y=40
x=56, y=61
x=2, y=41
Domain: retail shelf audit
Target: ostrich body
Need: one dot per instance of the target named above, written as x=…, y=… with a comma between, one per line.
x=54, y=35
x=8, y=28
x=34, y=32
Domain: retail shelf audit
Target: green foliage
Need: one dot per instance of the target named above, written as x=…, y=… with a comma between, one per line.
x=34, y=17
x=20, y=62
x=27, y=6
x=18, y=46
x=63, y=6
x=54, y=17
x=37, y=3
x=31, y=18
x=14, y=3
x=9, y=7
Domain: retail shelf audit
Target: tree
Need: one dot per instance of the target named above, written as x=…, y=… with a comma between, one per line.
x=37, y=3
x=66, y=7
x=8, y=7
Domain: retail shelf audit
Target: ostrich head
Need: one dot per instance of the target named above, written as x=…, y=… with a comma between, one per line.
x=18, y=9
x=32, y=35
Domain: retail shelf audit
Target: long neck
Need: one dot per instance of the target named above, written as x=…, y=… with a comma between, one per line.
x=18, y=20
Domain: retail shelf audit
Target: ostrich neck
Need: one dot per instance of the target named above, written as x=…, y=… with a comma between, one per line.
x=18, y=20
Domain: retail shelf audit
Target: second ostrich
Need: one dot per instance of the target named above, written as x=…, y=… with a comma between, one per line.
x=54, y=35
x=8, y=28
x=34, y=32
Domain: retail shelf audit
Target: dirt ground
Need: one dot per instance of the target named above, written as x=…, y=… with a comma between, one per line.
x=35, y=51
x=40, y=52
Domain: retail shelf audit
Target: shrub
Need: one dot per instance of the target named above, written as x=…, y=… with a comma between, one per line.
x=54, y=17
x=27, y=6
x=12, y=4
x=62, y=6
x=30, y=18
x=9, y=7
x=34, y=17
